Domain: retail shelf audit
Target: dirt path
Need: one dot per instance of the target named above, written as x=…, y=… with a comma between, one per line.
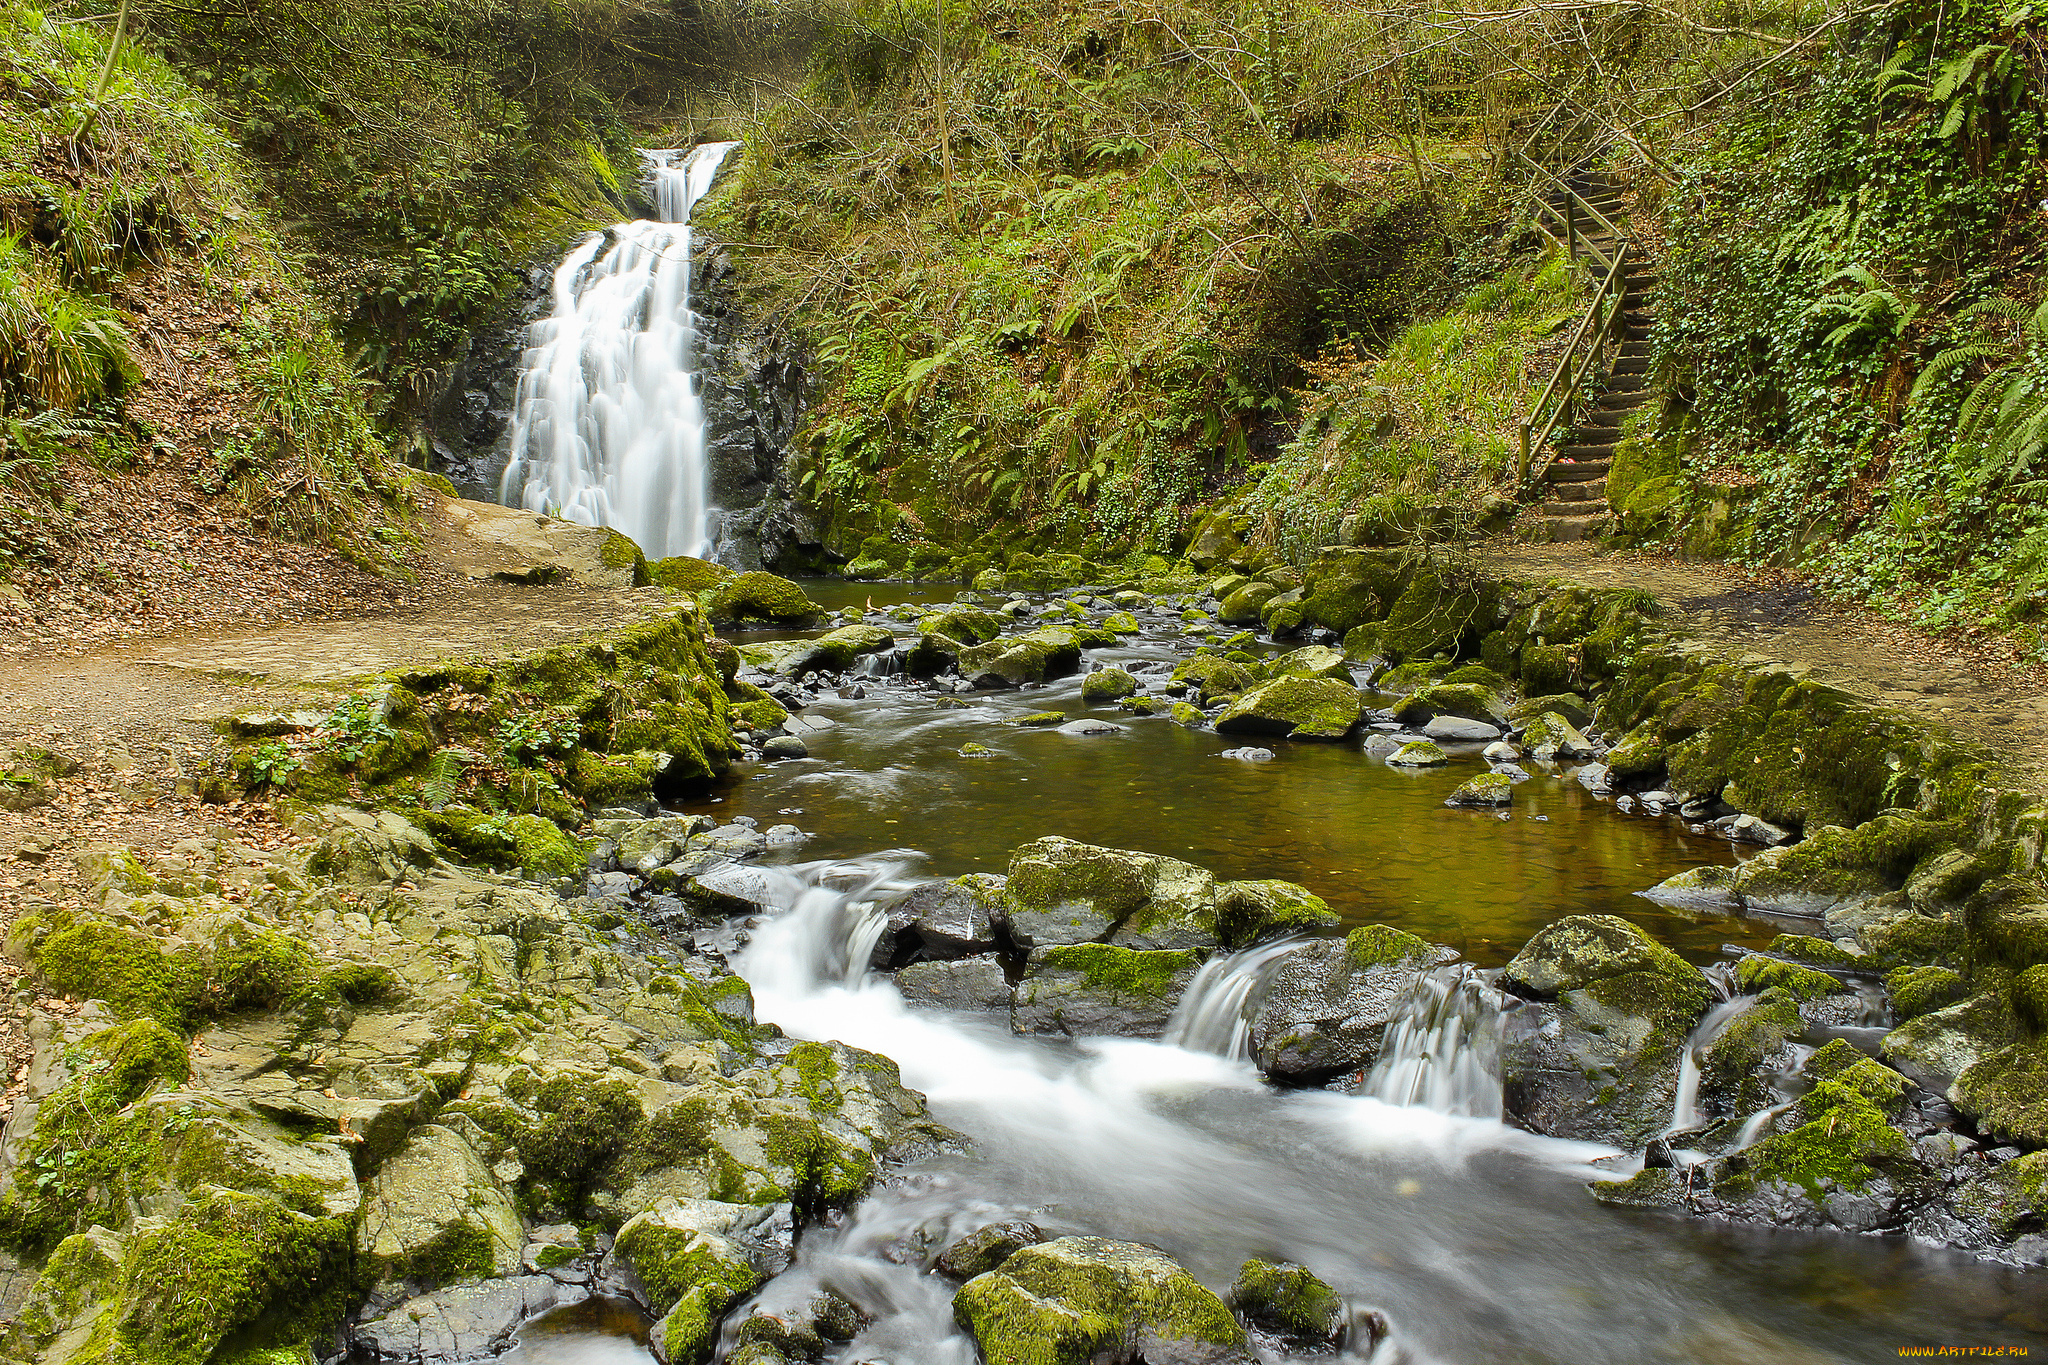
x=1978, y=690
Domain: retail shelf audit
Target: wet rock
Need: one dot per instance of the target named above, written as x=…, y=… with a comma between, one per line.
x=691, y=1260
x=1249, y=755
x=1487, y=789
x=1107, y=685
x=1550, y=738
x=1099, y=989
x=468, y=1322
x=970, y=985
x=1295, y=708
x=785, y=746
x=1090, y=728
x=434, y=1213
x=1290, y=1303
x=1312, y=661
x=1572, y=708
x=1090, y=1301
x=941, y=920
x=1937, y=1048
x=1469, y=701
x=1018, y=659
x=1458, y=730
x=761, y=597
x=1063, y=892
x=1597, y=1056
x=730, y=889
x=986, y=1249
x=1420, y=753
x=1242, y=606
x=1328, y=1004
x=1210, y=676
x=796, y=1324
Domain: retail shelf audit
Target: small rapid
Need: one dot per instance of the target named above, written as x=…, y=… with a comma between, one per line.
x=1475, y=1240
x=608, y=424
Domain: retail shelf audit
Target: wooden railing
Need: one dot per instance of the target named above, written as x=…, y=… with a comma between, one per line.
x=1582, y=360
x=1586, y=353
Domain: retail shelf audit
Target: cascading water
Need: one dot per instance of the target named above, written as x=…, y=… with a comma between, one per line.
x=1442, y=1051
x=608, y=428
x=1215, y=1015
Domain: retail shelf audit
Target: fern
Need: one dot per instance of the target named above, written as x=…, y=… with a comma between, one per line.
x=443, y=776
x=2005, y=414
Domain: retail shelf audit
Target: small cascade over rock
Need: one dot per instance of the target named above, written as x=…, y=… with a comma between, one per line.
x=1215, y=1015
x=608, y=428
x=1442, y=1051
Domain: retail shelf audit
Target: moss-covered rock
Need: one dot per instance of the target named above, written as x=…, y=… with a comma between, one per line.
x=1060, y=891
x=693, y=1265
x=1624, y=1006
x=1295, y=708
x=1938, y=1047
x=2006, y=1092
x=1082, y=1300
x=1922, y=990
x=1419, y=753
x=1326, y=1008
x=1550, y=738
x=1757, y=973
x=1471, y=701
x=1290, y=1302
x=1243, y=605
x=1107, y=685
x=1100, y=989
x=1251, y=911
x=682, y=573
x=1187, y=714
x=760, y=596
x=434, y=1214
x=1487, y=789
x=1017, y=659
x=1121, y=623
x=1212, y=676
x=965, y=624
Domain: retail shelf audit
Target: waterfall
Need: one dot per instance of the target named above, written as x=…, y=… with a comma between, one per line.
x=1685, y=1112
x=608, y=426
x=1215, y=1015
x=1442, y=1051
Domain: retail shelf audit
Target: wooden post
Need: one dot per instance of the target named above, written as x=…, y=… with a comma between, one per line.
x=1571, y=228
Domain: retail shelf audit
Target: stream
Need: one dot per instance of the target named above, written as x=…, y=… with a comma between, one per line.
x=1477, y=1242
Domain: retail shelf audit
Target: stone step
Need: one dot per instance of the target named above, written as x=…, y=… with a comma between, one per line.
x=1585, y=451
x=1593, y=490
x=1576, y=473
x=1633, y=364
x=1567, y=510
x=1557, y=530
x=1625, y=383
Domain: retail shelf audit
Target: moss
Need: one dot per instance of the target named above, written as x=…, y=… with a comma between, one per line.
x=1378, y=945
x=1550, y=668
x=1618, y=964
x=1213, y=676
x=1846, y=1148
x=94, y=960
x=1816, y=951
x=1419, y=753
x=582, y=1122
x=225, y=1261
x=672, y=1262
x=681, y=573
x=463, y=1251
x=1127, y=971
x=1914, y=940
x=1296, y=707
x=1041, y=718
x=528, y=842
x=1187, y=714
x=603, y=780
x=761, y=597
x=967, y=625
x=1121, y=623
x=1107, y=684
x=1487, y=789
x=1729, y=1064
x=1755, y=974
x=1251, y=911
x=1922, y=990
x=2007, y=1093
x=1469, y=700
x=2029, y=992
x=1288, y=1299
x=1081, y=1298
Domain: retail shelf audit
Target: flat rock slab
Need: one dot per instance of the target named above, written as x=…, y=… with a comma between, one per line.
x=468, y=1322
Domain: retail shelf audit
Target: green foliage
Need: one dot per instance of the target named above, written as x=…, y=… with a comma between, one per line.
x=354, y=728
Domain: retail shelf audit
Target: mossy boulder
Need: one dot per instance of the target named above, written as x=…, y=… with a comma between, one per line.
x=1243, y=606
x=692, y=1261
x=1211, y=676
x=1187, y=714
x=1063, y=892
x=1622, y=1006
x=434, y=1214
x=1090, y=1301
x=1757, y=973
x=1250, y=912
x=1419, y=753
x=1311, y=661
x=836, y=650
x=1107, y=685
x=2007, y=1092
x=1487, y=789
x=1936, y=1048
x=1922, y=990
x=1550, y=738
x=682, y=573
x=986, y=1248
x=1018, y=659
x=1344, y=588
x=965, y=624
x=1471, y=701
x=1100, y=989
x=1295, y=708
x=1121, y=623
x=761, y=596
x=1290, y=1302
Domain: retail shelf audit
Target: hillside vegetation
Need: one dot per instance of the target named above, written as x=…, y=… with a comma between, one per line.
x=1072, y=276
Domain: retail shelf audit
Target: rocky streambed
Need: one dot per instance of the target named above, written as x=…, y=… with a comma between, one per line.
x=609, y=974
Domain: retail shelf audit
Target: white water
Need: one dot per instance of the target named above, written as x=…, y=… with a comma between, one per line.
x=1126, y=1138
x=1215, y=1015
x=1442, y=1051
x=608, y=428
x=1685, y=1107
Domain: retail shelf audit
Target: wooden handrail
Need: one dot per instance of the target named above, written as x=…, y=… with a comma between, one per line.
x=1573, y=197
x=1595, y=332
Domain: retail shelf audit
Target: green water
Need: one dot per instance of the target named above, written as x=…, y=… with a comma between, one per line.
x=1376, y=842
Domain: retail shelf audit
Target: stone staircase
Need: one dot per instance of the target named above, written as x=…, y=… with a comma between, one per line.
x=1575, y=483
